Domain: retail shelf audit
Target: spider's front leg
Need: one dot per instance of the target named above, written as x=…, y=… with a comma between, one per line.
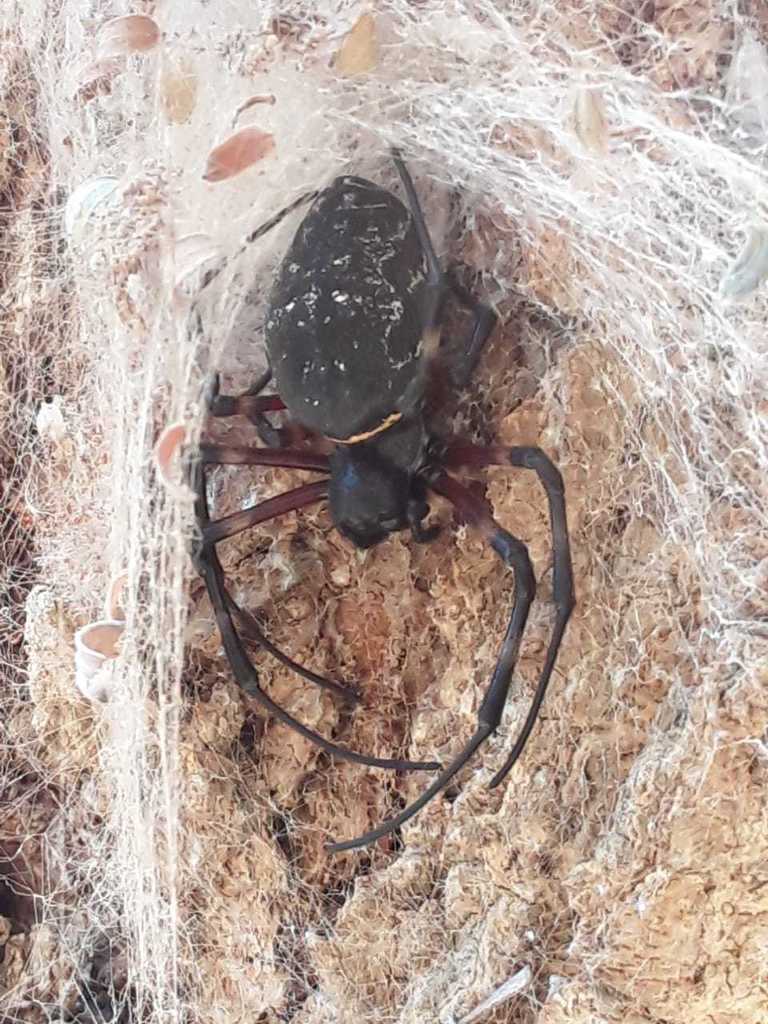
x=526, y=457
x=212, y=532
x=513, y=552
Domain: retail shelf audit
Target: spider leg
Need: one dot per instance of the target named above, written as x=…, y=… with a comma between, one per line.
x=483, y=322
x=251, y=404
x=213, y=574
x=229, y=526
x=431, y=381
x=267, y=432
x=452, y=367
x=253, y=410
x=260, y=383
x=252, y=634
x=442, y=780
x=514, y=554
x=562, y=570
x=435, y=275
x=273, y=221
x=209, y=567
x=237, y=456
x=282, y=458
x=435, y=288
x=257, y=233
x=233, y=455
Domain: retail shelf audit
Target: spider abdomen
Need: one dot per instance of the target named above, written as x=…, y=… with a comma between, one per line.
x=344, y=326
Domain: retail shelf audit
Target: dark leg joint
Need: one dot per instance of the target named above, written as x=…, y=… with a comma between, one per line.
x=417, y=511
x=223, y=406
x=515, y=555
x=251, y=403
x=483, y=322
x=540, y=463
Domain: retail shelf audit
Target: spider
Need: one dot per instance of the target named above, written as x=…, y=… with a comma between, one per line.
x=353, y=344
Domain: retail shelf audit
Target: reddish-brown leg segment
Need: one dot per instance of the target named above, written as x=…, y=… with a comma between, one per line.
x=240, y=455
x=251, y=404
x=252, y=634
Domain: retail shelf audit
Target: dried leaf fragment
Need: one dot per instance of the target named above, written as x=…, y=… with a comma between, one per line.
x=590, y=121
x=750, y=268
x=358, y=52
x=133, y=33
x=167, y=453
x=237, y=153
x=168, y=445
x=178, y=92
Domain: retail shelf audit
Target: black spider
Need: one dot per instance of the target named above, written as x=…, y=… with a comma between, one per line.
x=353, y=340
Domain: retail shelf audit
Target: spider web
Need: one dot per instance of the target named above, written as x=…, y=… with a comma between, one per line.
x=596, y=169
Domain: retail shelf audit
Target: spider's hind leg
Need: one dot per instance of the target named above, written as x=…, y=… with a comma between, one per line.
x=515, y=555
x=251, y=404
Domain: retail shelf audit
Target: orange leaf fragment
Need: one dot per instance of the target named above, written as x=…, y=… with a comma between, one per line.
x=168, y=445
x=358, y=52
x=168, y=452
x=133, y=33
x=240, y=151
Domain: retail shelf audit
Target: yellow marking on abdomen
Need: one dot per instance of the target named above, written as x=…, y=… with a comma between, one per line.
x=390, y=421
x=429, y=345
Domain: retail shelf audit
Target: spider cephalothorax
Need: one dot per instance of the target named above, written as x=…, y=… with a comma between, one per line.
x=353, y=343
x=376, y=486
